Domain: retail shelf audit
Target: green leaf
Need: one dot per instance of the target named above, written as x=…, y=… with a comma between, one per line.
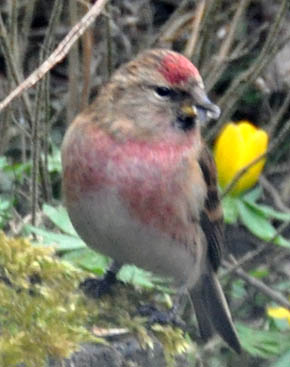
x=5, y=205
x=88, y=259
x=259, y=273
x=283, y=361
x=256, y=224
x=279, y=324
x=230, y=209
x=268, y=211
x=5, y=210
x=253, y=195
x=59, y=218
x=282, y=241
x=54, y=160
x=238, y=289
x=18, y=169
x=145, y=279
x=260, y=343
x=259, y=225
x=3, y=162
x=61, y=242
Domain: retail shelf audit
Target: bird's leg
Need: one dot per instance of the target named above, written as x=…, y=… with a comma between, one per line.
x=170, y=317
x=96, y=288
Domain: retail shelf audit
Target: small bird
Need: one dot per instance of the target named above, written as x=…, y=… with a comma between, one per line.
x=140, y=184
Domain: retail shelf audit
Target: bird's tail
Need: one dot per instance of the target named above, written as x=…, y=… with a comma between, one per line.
x=212, y=311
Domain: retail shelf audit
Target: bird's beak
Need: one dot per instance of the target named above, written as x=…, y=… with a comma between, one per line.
x=204, y=106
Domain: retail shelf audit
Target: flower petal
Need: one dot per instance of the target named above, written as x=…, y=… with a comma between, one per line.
x=279, y=313
x=226, y=153
x=236, y=147
x=255, y=144
x=247, y=129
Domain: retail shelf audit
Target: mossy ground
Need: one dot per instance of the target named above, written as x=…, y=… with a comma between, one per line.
x=43, y=314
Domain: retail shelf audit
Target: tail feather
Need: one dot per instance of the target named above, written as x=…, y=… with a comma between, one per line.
x=212, y=311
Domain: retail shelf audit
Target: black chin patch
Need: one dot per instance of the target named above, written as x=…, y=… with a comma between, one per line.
x=185, y=123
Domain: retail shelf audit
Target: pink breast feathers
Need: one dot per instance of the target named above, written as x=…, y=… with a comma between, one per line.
x=144, y=175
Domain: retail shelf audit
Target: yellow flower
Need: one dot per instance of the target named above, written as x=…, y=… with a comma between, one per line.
x=236, y=147
x=279, y=313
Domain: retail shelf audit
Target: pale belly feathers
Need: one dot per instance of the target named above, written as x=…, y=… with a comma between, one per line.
x=104, y=223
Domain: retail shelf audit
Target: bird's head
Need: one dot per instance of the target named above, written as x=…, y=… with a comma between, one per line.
x=160, y=91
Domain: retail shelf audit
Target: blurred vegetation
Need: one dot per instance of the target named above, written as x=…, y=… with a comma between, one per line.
x=242, y=49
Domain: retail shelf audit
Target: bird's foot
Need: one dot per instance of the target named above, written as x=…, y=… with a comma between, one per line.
x=156, y=316
x=96, y=288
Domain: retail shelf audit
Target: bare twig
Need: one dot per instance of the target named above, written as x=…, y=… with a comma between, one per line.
x=37, y=164
x=279, y=115
x=13, y=67
x=275, y=296
x=26, y=24
x=177, y=13
x=190, y=46
x=204, y=49
x=279, y=170
x=13, y=29
x=175, y=28
x=241, y=82
x=35, y=148
x=283, y=133
x=109, y=43
x=252, y=254
x=235, y=267
x=223, y=54
x=73, y=68
x=47, y=188
x=59, y=53
x=274, y=194
x=87, y=45
x=243, y=260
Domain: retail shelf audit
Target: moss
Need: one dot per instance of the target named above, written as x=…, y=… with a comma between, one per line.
x=44, y=315
x=41, y=313
x=173, y=340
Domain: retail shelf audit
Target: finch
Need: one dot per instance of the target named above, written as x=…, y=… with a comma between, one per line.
x=140, y=184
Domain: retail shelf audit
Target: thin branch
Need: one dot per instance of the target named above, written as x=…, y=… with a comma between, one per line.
x=177, y=13
x=274, y=194
x=175, y=28
x=282, y=135
x=204, y=49
x=13, y=68
x=279, y=115
x=47, y=188
x=26, y=24
x=223, y=54
x=59, y=53
x=241, y=82
x=13, y=29
x=252, y=254
x=282, y=169
x=249, y=256
x=263, y=288
x=190, y=46
x=37, y=164
x=109, y=43
x=73, y=68
x=87, y=46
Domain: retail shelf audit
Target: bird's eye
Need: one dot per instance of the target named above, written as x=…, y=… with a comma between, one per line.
x=163, y=91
